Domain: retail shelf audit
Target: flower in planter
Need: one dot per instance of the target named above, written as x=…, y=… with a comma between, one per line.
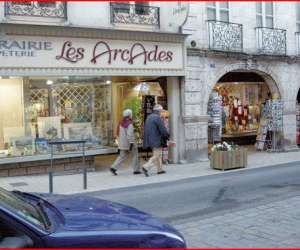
x=224, y=146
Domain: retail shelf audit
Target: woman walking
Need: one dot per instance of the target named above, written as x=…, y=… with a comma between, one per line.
x=127, y=144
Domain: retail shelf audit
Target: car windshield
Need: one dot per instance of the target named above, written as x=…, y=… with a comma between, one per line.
x=20, y=206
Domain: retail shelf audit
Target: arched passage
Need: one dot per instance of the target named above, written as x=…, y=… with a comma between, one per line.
x=237, y=106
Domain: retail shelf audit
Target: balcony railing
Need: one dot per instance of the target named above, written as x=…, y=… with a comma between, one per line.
x=271, y=41
x=36, y=9
x=124, y=13
x=225, y=36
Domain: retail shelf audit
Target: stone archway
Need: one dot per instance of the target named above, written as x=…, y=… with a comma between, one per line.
x=269, y=77
x=233, y=74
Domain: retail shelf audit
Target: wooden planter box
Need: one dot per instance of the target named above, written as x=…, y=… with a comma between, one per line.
x=224, y=160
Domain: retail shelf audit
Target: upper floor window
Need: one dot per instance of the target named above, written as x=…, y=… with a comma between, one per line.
x=134, y=13
x=265, y=14
x=218, y=11
x=49, y=9
x=121, y=7
x=139, y=8
x=142, y=8
x=298, y=16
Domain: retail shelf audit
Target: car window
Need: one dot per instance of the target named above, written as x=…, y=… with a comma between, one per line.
x=21, y=207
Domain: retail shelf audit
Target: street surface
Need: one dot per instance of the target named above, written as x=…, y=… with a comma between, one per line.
x=252, y=208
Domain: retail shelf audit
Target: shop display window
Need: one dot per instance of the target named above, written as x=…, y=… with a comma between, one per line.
x=242, y=105
x=36, y=109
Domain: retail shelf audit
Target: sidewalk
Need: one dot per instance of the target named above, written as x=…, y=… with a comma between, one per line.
x=104, y=180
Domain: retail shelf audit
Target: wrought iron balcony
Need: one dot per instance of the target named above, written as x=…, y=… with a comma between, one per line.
x=36, y=9
x=271, y=41
x=138, y=13
x=225, y=36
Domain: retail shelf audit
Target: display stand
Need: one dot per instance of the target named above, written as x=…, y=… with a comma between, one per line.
x=215, y=112
x=298, y=124
x=53, y=143
x=276, y=124
x=271, y=126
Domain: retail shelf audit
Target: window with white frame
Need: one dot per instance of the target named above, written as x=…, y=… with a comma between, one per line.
x=265, y=14
x=298, y=16
x=218, y=11
x=139, y=8
x=142, y=8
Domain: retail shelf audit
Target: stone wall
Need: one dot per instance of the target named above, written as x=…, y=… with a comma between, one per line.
x=204, y=71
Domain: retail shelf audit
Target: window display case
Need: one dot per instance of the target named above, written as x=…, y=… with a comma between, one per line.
x=240, y=110
x=60, y=108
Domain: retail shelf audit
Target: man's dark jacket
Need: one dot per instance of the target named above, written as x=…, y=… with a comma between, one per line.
x=155, y=132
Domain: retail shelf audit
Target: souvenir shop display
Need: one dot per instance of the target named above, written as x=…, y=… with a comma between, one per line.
x=22, y=146
x=262, y=139
x=271, y=126
x=41, y=146
x=298, y=124
x=88, y=108
x=215, y=110
x=240, y=110
x=276, y=123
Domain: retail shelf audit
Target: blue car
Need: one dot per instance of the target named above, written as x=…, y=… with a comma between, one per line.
x=44, y=220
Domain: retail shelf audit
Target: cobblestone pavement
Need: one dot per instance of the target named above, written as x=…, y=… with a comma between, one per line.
x=273, y=225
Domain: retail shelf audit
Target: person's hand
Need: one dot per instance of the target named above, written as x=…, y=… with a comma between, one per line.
x=131, y=147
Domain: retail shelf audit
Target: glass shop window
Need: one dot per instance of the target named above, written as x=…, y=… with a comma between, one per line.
x=34, y=110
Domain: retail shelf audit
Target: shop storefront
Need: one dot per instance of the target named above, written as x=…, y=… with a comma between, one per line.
x=55, y=87
x=243, y=111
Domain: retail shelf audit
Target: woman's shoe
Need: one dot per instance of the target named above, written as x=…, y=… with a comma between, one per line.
x=145, y=171
x=137, y=172
x=161, y=172
x=113, y=170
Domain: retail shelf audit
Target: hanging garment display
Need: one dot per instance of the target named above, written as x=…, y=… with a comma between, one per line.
x=215, y=111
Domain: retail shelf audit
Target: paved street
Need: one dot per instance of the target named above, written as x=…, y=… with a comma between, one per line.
x=254, y=208
x=275, y=224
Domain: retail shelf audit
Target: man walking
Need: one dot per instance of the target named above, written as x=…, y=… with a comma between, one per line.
x=155, y=137
x=127, y=144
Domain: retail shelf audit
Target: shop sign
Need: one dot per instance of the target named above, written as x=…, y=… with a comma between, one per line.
x=74, y=52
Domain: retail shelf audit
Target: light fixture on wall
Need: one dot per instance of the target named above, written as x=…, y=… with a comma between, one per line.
x=193, y=44
x=108, y=82
x=49, y=82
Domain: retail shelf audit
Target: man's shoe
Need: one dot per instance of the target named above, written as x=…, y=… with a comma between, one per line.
x=137, y=172
x=113, y=170
x=161, y=172
x=145, y=171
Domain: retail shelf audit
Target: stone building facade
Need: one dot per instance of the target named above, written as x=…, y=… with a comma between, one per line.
x=217, y=38
x=228, y=37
